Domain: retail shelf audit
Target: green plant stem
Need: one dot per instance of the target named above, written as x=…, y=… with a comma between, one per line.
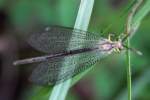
x=139, y=10
x=129, y=72
x=130, y=30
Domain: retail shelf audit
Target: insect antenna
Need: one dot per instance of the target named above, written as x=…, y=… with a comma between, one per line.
x=130, y=48
x=133, y=50
x=125, y=38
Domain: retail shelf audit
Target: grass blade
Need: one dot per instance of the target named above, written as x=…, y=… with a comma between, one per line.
x=59, y=91
x=142, y=12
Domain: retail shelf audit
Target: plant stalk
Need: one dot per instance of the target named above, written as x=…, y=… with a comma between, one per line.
x=129, y=31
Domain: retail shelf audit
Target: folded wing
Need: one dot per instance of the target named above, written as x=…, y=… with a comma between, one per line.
x=59, y=70
x=57, y=39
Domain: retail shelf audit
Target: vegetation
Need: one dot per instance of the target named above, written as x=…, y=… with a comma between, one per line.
x=107, y=79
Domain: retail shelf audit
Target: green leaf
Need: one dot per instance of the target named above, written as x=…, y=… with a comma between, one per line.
x=142, y=12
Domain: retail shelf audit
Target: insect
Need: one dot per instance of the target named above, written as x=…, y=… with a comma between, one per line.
x=65, y=56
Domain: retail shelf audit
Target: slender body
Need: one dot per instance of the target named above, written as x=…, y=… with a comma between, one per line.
x=107, y=46
x=55, y=56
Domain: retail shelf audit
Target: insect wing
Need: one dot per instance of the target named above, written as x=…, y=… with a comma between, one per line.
x=55, y=72
x=56, y=39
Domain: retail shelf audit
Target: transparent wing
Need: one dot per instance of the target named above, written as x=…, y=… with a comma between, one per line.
x=56, y=39
x=54, y=72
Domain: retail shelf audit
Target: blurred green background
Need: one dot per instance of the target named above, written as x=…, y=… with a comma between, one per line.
x=106, y=81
